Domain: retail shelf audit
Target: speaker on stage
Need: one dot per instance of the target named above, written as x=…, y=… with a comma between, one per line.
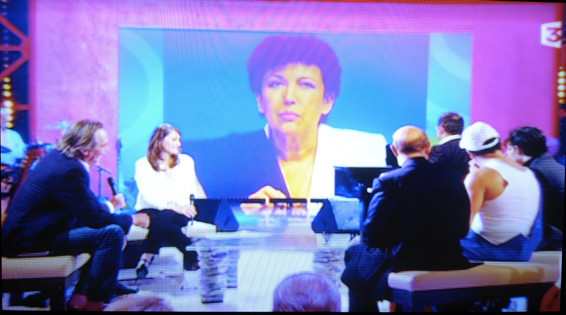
x=217, y=212
x=338, y=215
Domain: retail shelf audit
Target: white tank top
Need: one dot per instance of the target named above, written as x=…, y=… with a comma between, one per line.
x=514, y=211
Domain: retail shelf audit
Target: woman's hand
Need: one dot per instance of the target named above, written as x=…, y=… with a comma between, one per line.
x=190, y=211
x=187, y=210
x=266, y=193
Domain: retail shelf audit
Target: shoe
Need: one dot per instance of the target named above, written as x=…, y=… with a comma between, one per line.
x=190, y=260
x=192, y=267
x=122, y=289
x=141, y=269
x=36, y=300
x=33, y=300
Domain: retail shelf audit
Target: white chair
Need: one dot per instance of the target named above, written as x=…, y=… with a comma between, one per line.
x=50, y=274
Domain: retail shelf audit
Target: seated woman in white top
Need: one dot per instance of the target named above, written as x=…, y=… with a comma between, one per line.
x=166, y=179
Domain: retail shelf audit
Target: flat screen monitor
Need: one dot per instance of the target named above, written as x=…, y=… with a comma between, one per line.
x=356, y=182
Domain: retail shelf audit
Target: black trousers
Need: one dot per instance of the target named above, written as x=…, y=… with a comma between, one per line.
x=165, y=230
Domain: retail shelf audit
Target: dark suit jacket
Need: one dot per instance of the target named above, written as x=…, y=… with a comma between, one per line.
x=236, y=165
x=452, y=157
x=55, y=198
x=551, y=175
x=418, y=214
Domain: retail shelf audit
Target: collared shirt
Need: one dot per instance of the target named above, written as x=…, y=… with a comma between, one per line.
x=86, y=166
x=449, y=138
x=107, y=202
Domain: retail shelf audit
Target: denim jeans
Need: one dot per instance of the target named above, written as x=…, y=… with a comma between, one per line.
x=519, y=248
x=98, y=276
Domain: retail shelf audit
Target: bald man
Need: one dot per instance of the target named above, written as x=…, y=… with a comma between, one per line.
x=414, y=221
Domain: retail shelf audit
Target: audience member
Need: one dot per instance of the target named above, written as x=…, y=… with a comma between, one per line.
x=12, y=141
x=448, y=152
x=415, y=219
x=166, y=180
x=555, y=149
x=139, y=302
x=306, y=292
x=505, y=200
x=54, y=210
x=527, y=145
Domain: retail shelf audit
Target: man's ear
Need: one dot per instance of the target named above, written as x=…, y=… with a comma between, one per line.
x=394, y=149
x=429, y=148
x=440, y=131
x=260, y=106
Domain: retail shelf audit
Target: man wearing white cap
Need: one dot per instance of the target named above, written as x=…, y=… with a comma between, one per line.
x=505, y=200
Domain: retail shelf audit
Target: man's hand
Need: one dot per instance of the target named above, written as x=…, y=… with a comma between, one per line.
x=141, y=219
x=118, y=201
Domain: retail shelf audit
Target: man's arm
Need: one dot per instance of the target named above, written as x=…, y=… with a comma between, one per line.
x=378, y=223
x=75, y=194
x=483, y=184
x=476, y=191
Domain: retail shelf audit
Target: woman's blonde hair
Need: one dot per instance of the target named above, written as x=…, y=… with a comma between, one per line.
x=156, y=145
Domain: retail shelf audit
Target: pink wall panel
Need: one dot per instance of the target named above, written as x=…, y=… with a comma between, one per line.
x=74, y=66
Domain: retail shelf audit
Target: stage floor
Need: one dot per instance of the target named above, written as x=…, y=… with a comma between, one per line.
x=259, y=272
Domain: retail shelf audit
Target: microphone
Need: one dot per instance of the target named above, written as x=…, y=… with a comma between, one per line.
x=112, y=185
x=192, y=202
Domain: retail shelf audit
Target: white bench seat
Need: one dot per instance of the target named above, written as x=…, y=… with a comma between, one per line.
x=42, y=267
x=493, y=279
x=51, y=274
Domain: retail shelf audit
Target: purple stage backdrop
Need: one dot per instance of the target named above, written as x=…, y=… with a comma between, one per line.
x=76, y=51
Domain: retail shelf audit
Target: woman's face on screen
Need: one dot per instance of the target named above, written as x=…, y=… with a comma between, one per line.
x=292, y=99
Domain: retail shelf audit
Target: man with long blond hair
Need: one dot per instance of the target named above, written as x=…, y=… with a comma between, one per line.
x=56, y=211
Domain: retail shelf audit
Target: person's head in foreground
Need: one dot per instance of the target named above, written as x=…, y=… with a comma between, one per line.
x=306, y=292
x=139, y=302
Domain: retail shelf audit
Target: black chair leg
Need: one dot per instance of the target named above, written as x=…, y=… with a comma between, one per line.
x=57, y=299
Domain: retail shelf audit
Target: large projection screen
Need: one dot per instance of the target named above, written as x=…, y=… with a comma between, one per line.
x=197, y=80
